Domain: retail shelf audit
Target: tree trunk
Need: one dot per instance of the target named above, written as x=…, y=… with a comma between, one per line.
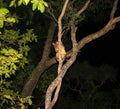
x=42, y=65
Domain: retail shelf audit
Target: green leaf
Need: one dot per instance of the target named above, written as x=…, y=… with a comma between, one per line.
x=34, y=6
x=4, y=11
x=14, y=67
x=12, y=3
x=7, y=75
x=1, y=23
x=7, y=96
x=10, y=20
x=22, y=106
x=45, y=3
x=30, y=101
x=20, y=2
x=41, y=7
x=33, y=1
x=25, y=2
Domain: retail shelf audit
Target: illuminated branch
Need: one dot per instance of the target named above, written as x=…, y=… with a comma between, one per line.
x=60, y=20
x=83, y=8
x=114, y=9
x=49, y=102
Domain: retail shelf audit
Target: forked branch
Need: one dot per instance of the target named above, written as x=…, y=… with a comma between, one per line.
x=55, y=86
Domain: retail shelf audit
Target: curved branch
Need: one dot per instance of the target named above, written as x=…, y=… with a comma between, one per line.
x=83, y=8
x=31, y=83
x=103, y=31
x=49, y=102
x=60, y=19
x=114, y=9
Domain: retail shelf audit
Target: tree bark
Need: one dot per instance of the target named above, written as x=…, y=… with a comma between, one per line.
x=42, y=65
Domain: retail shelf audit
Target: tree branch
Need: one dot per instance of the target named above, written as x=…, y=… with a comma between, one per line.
x=60, y=19
x=48, y=42
x=109, y=26
x=42, y=65
x=52, y=15
x=49, y=103
x=83, y=8
x=98, y=34
x=114, y=9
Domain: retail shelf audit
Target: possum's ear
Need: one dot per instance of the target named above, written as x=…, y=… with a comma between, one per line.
x=53, y=43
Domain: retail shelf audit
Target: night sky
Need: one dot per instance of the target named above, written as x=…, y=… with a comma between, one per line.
x=102, y=50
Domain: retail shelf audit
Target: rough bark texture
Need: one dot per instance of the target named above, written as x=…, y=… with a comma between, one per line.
x=42, y=65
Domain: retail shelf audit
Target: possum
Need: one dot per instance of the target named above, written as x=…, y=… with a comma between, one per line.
x=60, y=54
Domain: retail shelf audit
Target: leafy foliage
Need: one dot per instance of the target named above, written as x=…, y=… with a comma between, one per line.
x=36, y=4
x=4, y=17
x=9, y=60
x=14, y=48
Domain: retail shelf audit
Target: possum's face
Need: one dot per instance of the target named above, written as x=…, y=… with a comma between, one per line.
x=56, y=46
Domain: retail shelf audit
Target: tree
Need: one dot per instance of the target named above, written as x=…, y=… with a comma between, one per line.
x=70, y=16
x=71, y=54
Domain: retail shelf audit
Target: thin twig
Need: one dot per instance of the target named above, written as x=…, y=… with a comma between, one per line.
x=114, y=9
x=52, y=15
x=83, y=8
x=60, y=20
